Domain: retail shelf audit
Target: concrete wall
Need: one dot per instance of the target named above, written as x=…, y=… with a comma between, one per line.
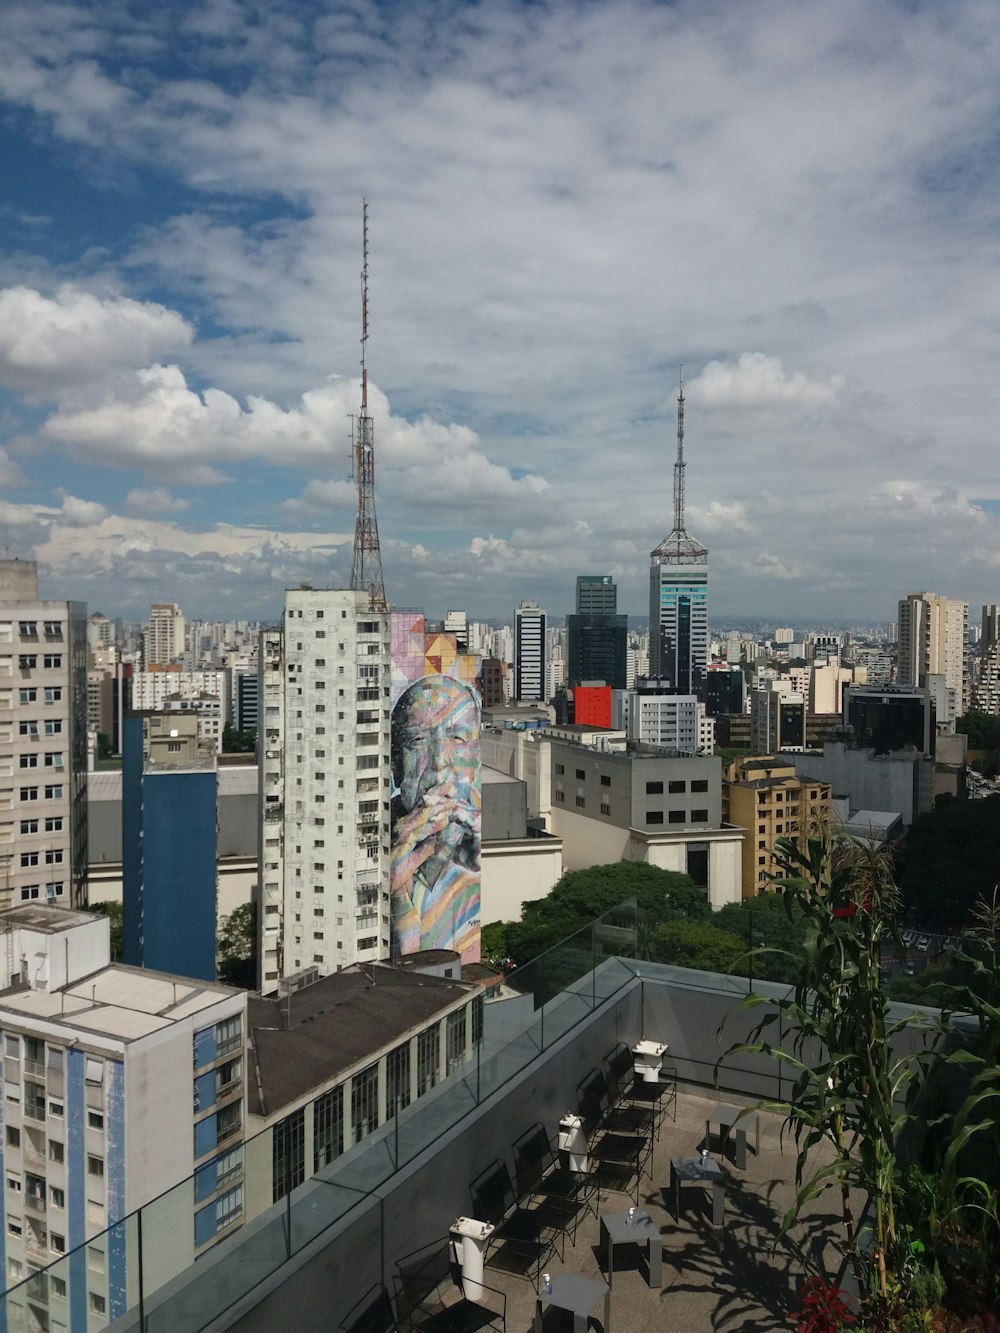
x=517, y=872
x=505, y=807
x=889, y=782
x=236, y=881
x=237, y=812
x=587, y=842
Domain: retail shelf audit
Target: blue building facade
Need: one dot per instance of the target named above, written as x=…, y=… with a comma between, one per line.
x=169, y=826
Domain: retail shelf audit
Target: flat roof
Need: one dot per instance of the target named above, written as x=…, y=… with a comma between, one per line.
x=125, y=1003
x=488, y=774
x=49, y=920
x=240, y=780
x=305, y=1040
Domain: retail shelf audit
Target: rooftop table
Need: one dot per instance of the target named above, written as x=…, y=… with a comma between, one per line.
x=579, y=1295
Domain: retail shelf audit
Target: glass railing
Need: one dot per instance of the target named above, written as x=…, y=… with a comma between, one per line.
x=142, y=1270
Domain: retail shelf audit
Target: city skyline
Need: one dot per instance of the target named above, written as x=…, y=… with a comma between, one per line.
x=805, y=226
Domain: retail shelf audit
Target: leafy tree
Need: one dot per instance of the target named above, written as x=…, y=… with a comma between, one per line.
x=951, y=860
x=582, y=895
x=697, y=944
x=493, y=941
x=237, y=947
x=238, y=742
x=113, y=911
x=773, y=930
x=982, y=729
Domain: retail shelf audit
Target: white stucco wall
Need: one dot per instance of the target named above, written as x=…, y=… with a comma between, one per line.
x=516, y=872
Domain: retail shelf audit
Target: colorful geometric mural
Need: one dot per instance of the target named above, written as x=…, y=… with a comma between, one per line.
x=436, y=797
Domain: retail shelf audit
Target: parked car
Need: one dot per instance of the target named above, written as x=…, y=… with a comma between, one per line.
x=924, y=943
x=910, y=969
x=908, y=936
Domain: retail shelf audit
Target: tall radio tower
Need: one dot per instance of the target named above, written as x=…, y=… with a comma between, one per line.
x=366, y=567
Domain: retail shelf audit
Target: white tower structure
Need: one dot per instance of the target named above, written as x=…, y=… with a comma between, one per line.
x=678, y=592
x=529, y=652
x=325, y=788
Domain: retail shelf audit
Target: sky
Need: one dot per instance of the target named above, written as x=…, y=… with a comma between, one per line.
x=796, y=200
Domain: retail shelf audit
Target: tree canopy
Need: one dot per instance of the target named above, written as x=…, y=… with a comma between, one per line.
x=582, y=895
x=950, y=861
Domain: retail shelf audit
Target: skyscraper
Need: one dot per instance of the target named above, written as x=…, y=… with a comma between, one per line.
x=529, y=652
x=678, y=592
x=163, y=636
x=43, y=749
x=597, y=638
x=325, y=793
x=933, y=641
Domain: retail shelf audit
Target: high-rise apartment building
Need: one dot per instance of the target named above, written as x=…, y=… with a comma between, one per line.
x=43, y=742
x=325, y=785
x=933, y=641
x=120, y=1083
x=764, y=795
x=163, y=635
x=990, y=634
x=678, y=593
x=529, y=652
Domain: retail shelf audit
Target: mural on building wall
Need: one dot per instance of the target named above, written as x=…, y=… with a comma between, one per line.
x=436, y=797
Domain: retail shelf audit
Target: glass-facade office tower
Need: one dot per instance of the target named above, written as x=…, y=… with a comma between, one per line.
x=597, y=638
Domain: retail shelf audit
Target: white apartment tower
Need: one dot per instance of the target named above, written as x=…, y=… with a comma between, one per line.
x=163, y=637
x=43, y=742
x=529, y=652
x=325, y=785
x=933, y=641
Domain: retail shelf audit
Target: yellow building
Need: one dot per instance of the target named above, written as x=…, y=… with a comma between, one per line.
x=765, y=795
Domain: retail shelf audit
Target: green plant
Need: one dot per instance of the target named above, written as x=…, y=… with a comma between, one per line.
x=825, y=1308
x=850, y=1089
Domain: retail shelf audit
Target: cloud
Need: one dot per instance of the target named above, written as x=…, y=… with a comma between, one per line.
x=48, y=344
x=319, y=497
x=77, y=513
x=758, y=380
x=155, y=500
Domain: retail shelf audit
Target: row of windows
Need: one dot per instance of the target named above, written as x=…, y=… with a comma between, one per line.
x=677, y=786
x=52, y=726
x=53, y=857
x=53, y=890
x=52, y=793
x=53, y=759
x=29, y=661
x=677, y=817
x=29, y=694
x=28, y=629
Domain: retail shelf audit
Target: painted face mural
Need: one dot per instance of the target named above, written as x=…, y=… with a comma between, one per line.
x=436, y=818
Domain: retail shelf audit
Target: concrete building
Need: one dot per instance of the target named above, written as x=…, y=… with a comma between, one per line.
x=169, y=825
x=933, y=640
x=457, y=623
x=325, y=770
x=152, y=688
x=246, y=699
x=596, y=636
x=891, y=718
x=120, y=1083
x=43, y=742
x=163, y=636
x=636, y=806
x=764, y=795
x=530, y=656
x=338, y=1058
x=656, y=716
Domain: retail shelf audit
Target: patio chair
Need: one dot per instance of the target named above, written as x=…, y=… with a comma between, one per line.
x=661, y=1094
x=539, y=1177
x=523, y=1237
x=627, y=1113
x=429, y=1295
x=619, y=1158
x=372, y=1314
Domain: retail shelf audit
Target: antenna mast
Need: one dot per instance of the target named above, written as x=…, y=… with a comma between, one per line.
x=679, y=464
x=366, y=567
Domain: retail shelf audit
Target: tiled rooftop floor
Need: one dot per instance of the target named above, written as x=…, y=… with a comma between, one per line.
x=714, y=1280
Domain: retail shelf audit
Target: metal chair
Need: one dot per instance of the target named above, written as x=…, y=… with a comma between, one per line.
x=539, y=1177
x=372, y=1314
x=619, y=1157
x=523, y=1237
x=626, y=1112
x=429, y=1296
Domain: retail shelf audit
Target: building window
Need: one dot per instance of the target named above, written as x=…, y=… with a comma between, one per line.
x=29, y=793
x=229, y=1207
x=95, y=1120
x=677, y=817
x=98, y=1305
x=53, y=726
x=288, y=1166
x=328, y=1127
x=53, y=695
x=364, y=1103
x=28, y=696
x=560, y=769
x=29, y=761
x=699, y=784
x=57, y=1197
x=228, y=1035
x=28, y=629
x=397, y=1080
x=478, y=1007
x=57, y=1152
x=580, y=775
x=27, y=728
x=53, y=629
x=561, y=797
x=699, y=816
x=605, y=780
x=29, y=826
x=605, y=806
x=676, y=786
x=54, y=825
x=54, y=858
x=52, y=661
x=654, y=816
x=95, y=1165
x=654, y=789
x=54, y=793
x=581, y=802
x=227, y=1121
x=762, y=860
x=57, y=1242
x=57, y=1285
x=13, y=1137
x=29, y=859
x=428, y=1059
x=454, y=1040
